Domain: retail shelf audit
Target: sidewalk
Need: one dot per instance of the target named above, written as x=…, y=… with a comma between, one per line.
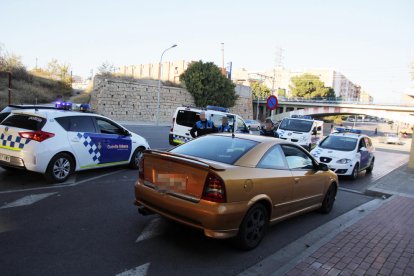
x=382, y=243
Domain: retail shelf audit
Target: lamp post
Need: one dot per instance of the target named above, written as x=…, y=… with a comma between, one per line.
x=159, y=82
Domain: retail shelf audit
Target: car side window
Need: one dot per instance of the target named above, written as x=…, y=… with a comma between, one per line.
x=81, y=124
x=107, y=127
x=296, y=158
x=273, y=159
x=361, y=144
x=241, y=126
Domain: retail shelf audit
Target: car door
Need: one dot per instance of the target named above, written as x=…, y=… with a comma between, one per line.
x=308, y=183
x=363, y=151
x=81, y=133
x=115, y=140
x=277, y=180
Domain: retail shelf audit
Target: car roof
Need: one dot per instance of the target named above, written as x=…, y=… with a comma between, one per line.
x=354, y=135
x=193, y=109
x=49, y=113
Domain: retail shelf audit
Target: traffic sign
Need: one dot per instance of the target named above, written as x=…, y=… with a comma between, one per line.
x=272, y=102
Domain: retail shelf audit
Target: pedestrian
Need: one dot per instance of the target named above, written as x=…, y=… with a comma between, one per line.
x=269, y=129
x=331, y=128
x=376, y=131
x=225, y=127
x=202, y=127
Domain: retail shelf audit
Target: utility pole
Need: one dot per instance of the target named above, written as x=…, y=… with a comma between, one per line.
x=10, y=87
x=278, y=64
x=222, y=56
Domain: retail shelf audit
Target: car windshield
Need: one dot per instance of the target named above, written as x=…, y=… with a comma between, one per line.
x=223, y=149
x=296, y=125
x=342, y=143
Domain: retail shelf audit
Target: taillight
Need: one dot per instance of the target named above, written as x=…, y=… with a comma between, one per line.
x=172, y=127
x=38, y=136
x=141, y=168
x=214, y=189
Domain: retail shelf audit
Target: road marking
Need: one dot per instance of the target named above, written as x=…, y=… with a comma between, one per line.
x=155, y=228
x=141, y=270
x=64, y=185
x=27, y=200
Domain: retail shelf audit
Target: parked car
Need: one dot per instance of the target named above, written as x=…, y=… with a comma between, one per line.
x=253, y=125
x=233, y=186
x=392, y=138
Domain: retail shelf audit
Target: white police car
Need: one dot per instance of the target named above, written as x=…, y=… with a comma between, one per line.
x=59, y=142
x=346, y=152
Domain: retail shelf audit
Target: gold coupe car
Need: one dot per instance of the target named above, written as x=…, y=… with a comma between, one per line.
x=233, y=186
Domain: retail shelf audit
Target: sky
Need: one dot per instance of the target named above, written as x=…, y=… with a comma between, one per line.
x=371, y=41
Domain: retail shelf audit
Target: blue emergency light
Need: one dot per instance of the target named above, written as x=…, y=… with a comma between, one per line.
x=348, y=130
x=302, y=117
x=63, y=105
x=85, y=107
x=217, y=108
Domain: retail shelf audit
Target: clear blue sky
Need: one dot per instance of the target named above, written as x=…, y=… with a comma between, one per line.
x=371, y=42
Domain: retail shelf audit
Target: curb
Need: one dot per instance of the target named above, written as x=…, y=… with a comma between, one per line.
x=288, y=257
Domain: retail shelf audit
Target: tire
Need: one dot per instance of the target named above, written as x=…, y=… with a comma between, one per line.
x=60, y=168
x=355, y=172
x=135, y=158
x=328, y=200
x=258, y=128
x=253, y=228
x=371, y=166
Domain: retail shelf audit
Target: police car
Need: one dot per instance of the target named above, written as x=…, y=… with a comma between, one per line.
x=346, y=152
x=185, y=118
x=58, y=142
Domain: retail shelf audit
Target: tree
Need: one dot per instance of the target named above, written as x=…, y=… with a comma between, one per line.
x=106, y=69
x=260, y=90
x=310, y=86
x=208, y=85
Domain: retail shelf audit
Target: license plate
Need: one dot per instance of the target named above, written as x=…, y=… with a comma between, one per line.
x=5, y=158
x=170, y=182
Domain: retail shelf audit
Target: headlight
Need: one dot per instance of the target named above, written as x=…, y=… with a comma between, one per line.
x=343, y=161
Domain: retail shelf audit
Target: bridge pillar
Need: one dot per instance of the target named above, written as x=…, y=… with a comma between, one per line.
x=411, y=160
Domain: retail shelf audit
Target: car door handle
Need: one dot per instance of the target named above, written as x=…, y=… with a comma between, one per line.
x=75, y=139
x=188, y=134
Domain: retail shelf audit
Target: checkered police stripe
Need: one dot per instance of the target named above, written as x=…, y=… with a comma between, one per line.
x=13, y=142
x=90, y=146
x=181, y=138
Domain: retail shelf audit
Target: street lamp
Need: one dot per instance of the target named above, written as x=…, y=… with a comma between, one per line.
x=159, y=82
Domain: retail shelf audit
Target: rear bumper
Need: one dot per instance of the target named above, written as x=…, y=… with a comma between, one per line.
x=217, y=220
x=15, y=162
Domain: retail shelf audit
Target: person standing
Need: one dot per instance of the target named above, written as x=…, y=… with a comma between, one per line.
x=202, y=127
x=225, y=127
x=269, y=129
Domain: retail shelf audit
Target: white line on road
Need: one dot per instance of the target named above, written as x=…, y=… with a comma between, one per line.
x=64, y=185
x=155, y=228
x=27, y=200
x=141, y=270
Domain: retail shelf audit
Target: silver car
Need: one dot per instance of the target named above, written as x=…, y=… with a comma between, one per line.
x=252, y=124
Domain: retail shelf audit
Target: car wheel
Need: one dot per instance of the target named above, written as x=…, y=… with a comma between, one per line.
x=60, y=168
x=328, y=200
x=253, y=227
x=136, y=157
x=371, y=166
x=258, y=128
x=355, y=172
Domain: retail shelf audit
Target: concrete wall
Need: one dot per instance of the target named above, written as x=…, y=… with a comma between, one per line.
x=137, y=101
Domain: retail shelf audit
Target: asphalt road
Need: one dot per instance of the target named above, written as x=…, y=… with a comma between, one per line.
x=89, y=226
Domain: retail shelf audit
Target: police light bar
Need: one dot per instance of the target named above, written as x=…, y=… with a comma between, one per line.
x=348, y=130
x=302, y=116
x=63, y=105
x=217, y=108
x=85, y=107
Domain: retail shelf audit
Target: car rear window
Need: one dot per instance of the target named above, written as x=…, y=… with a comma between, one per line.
x=29, y=122
x=3, y=115
x=223, y=149
x=187, y=118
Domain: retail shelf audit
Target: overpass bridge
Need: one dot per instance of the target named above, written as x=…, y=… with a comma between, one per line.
x=321, y=108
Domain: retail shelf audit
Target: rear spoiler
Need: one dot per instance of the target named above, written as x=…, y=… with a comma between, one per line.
x=187, y=159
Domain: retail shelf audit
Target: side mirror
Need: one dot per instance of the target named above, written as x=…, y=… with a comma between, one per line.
x=314, y=132
x=323, y=167
x=126, y=132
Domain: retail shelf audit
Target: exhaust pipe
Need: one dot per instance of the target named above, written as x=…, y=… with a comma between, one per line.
x=145, y=211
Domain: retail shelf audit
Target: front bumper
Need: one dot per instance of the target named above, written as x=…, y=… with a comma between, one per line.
x=217, y=220
x=340, y=169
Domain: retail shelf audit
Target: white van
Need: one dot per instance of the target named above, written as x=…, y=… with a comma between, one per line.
x=185, y=118
x=303, y=131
